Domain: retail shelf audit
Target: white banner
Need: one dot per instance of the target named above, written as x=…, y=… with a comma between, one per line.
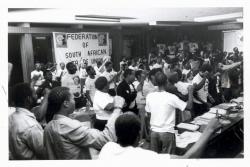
x=81, y=47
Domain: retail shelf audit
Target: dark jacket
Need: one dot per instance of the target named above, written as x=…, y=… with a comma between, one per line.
x=124, y=91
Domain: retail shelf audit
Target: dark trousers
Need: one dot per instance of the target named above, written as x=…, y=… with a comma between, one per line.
x=162, y=142
x=227, y=92
x=100, y=124
x=198, y=109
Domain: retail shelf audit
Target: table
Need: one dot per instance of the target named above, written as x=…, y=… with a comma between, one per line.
x=225, y=144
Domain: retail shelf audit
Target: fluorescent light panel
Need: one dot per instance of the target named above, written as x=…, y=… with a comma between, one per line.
x=101, y=18
x=219, y=17
x=97, y=19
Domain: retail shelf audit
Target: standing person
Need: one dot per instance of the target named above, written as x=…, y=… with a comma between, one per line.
x=149, y=84
x=226, y=84
x=71, y=80
x=90, y=84
x=80, y=100
x=61, y=72
x=159, y=63
x=25, y=133
x=133, y=65
x=37, y=73
x=141, y=101
x=51, y=68
x=68, y=78
x=162, y=106
x=103, y=103
x=201, y=104
x=47, y=84
x=98, y=68
x=124, y=91
x=65, y=138
x=82, y=72
x=127, y=127
x=111, y=76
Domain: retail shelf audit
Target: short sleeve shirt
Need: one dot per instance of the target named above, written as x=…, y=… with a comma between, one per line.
x=90, y=86
x=163, y=110
x=203, y=92
x=101, y=100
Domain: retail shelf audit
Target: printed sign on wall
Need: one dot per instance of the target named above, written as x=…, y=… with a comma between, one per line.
x=81, y=47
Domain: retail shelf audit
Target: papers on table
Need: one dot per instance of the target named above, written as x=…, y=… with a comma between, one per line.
x=187, y=126
x=220, y=111
x=238, y=100
x=186, y=138
x=200, y=121
x=226, y=106
x=208, y=116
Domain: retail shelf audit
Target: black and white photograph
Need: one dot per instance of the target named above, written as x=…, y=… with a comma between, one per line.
x=61, y=41
x=177, y=91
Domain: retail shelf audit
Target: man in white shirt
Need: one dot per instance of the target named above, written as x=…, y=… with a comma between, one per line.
x=37, y=73
x=201, y=104
x=82, y=71
x=225, y=80
x=98, y=68
x=127, y=127
x=61, y=72
x=111, y=76
x=103, y=103
x=25, y=133
x=90, y=84
x=159, y=63
x=65, y=138
x=68, y=78
x=162, y=115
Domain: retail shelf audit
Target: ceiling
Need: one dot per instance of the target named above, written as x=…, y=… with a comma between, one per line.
x=129, y=16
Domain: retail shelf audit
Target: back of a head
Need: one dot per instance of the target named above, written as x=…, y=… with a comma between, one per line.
x=160, y=79
x=127, y=127
x=88, y=69
x=70, y=66
x=101, y=83
x=108, y=63
x=20, y=93
x=55, y=100
x=179, y=72
x=153, y=72
x=205, y=67
x=127, y=72
x=99, y=63
x=138, y=74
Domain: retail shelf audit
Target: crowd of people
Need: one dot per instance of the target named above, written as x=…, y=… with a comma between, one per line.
x=142, y=102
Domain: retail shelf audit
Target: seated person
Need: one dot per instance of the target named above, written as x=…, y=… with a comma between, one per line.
x=65, y=138
x=127, y=127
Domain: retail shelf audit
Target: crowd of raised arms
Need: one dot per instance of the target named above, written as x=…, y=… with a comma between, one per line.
x=144, y=100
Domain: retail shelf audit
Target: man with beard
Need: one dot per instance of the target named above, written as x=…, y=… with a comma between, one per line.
x=25, y=133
